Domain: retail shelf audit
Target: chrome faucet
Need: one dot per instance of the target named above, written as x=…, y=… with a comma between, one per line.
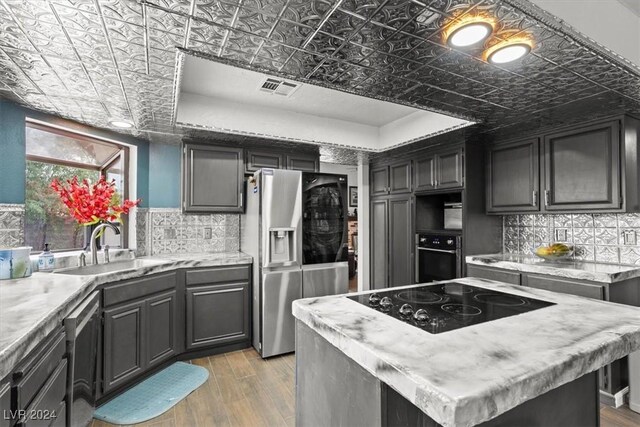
x=94, y=236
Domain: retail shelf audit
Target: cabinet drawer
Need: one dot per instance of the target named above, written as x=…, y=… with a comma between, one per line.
x=5, y=404
x=47, y=401
x=137, y=288
x=494, y=274
x=61, y=416
x=566, y=286
x=217, y=275
x=34, y=372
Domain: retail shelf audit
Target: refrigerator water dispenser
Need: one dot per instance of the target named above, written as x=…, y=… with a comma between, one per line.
x=282, y=245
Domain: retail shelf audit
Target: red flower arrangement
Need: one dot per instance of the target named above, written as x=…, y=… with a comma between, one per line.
x=92, y=203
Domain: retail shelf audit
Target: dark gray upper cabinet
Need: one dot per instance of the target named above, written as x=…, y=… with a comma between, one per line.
x=439, y=171
x=513, y=178
x=213, y=178
x=582, y=168
x=391, y=241
x=449, y=167
x=256, y=159
x=400, y=178
x=303, y=162
x=589, y=167
x=380, y=181
x=425, y=173
x=123, y=344
x=391, y=179
x=217, y=314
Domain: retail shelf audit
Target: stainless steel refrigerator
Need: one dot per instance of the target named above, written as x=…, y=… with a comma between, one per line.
x=272, y=232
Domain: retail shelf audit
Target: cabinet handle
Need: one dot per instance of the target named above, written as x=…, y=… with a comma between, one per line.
x=535, y=198
x=546, y=197
x=240, y=198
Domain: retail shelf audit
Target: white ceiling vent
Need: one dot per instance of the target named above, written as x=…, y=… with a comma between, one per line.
x=278, y=87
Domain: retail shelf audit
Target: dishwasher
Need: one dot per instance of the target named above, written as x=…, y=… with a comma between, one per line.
x=82, y=328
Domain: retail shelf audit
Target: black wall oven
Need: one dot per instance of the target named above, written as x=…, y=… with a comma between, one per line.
x=438, y=257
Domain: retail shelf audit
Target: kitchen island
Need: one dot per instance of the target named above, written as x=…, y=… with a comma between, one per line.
x=359, y=366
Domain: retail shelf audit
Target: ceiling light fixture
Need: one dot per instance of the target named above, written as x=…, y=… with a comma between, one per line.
x=123, y=124
x=508, y=51
x=468, y=32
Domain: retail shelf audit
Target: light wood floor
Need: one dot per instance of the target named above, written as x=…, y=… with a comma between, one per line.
x=245, y=390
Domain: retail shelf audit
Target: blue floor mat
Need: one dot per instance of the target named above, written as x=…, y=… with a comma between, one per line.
x=153, y=396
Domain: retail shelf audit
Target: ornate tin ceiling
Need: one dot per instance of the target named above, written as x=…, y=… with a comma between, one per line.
x=92, y=60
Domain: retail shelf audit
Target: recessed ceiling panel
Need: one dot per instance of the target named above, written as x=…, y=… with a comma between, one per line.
x=219, y=96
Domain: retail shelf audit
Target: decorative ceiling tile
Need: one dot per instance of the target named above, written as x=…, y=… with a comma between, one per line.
x=121, y=57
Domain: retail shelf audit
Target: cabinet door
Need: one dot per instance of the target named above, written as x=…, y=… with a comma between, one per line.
x=380, y=181
x=513, y=177
x=123, y=344
x=161, y=327
x=217, y=314
x=449, y=170
x=5, y=404
x=565, y=286
x=582, y=168
x=263, y=159
x=400, y=178
x=493, y=274
x=303, y=162
x=425, y=173
x=401, y=241
x=379, y=244
x=212, y=179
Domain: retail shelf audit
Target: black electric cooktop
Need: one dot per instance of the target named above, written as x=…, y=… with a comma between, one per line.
x=444, y=307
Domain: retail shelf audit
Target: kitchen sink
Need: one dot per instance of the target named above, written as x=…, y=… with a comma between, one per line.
x=111, y=267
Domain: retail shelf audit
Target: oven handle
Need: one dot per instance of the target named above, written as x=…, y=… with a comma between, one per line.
x=438, y=250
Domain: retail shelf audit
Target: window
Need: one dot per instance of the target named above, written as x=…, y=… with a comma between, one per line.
x=55, y=153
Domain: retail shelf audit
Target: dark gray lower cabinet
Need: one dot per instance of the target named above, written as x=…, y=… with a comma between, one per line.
x=401, y=241
x=565, y=286
x=217, y=314
x=123, y=343
x=139, y=335
x=379, y=243
x=493, y=274
x=162, y=327
x=392, y=241
x=5, y=404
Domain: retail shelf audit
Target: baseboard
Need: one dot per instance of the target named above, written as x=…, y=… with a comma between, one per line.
x=635, y=407
x=614, y=400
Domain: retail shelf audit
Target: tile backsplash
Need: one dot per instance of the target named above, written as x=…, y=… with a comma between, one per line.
x=596, y=237
x=11, y=225
x=169, y=231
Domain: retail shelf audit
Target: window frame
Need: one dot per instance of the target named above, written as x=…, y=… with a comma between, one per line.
x=122, y=153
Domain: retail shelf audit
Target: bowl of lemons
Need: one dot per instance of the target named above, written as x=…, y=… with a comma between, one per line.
x=554, y=251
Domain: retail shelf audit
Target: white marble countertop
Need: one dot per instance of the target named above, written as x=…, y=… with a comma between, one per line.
x=473, y=374
x=571, y=269
x=33, y=307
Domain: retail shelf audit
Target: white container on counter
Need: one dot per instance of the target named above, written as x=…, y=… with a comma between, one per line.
x=15, y=263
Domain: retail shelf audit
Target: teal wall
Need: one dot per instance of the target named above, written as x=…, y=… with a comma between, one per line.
x=164, y=176
x=12, y=153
